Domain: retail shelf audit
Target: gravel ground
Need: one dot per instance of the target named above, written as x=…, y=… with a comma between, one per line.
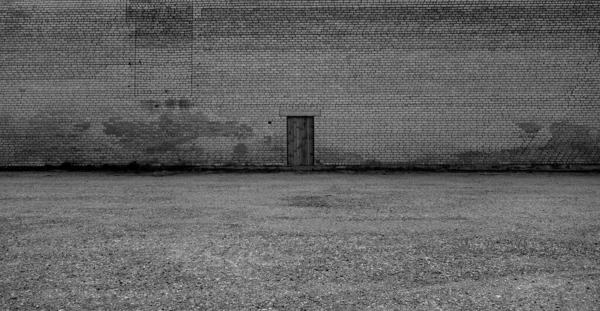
x=299, y=241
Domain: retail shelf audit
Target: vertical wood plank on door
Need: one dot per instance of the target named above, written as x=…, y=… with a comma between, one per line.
x=309, y=141
x=300, y=140
x=290, y=140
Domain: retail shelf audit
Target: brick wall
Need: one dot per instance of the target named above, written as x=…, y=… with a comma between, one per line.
x=184, y=82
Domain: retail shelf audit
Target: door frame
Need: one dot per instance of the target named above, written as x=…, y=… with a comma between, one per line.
x=302, y=153
x=300, y=113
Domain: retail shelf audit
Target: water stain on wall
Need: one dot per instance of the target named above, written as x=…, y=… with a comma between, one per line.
x=48, y=139
x=160, y=23
x=182, y=103
x=168, y=145
x=13, y=20
x=530, y=127
x=568, y=141
x=240, y=149
x=118, y=129
x=82, y=126
x=172, y=130
x=568, y=135
x=373, y=163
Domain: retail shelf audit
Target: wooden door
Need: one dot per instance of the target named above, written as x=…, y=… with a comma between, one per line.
x=300, y=141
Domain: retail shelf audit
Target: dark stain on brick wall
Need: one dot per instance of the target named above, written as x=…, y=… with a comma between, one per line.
x=82, y=126
x=58, y=44
x=150, y=103
x=168, y=145
x=172, y=130
x=472, y=156
x=240, y=149
x=119, y=128
x=568, y=135
x=530, y=127
x=406, y=27
x=161, y=23
x=182, y=103
x=50, y=140
x=12, y=20
x=373, y=163
x=572, y=141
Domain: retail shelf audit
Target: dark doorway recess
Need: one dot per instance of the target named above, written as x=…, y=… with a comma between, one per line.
x=300, y=131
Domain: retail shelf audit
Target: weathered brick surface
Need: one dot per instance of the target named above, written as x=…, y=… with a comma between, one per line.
x=202, y=82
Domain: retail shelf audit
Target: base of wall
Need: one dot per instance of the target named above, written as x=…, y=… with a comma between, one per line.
x=135, y=167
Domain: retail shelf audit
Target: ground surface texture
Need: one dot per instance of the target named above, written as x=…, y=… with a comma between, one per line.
x=299, y=241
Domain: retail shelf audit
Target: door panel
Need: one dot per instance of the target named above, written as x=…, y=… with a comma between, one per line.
x=300, y=141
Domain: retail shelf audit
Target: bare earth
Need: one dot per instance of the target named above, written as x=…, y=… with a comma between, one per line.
x=299, y=241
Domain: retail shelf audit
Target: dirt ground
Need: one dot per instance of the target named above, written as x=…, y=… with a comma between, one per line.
x=299, y=241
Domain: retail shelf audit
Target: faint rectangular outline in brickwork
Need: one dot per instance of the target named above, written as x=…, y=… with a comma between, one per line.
x=135, y=47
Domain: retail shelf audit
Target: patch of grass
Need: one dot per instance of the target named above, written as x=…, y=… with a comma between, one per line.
x=79, y=241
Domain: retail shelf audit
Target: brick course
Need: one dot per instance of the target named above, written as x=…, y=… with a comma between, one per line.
x=183, y=82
